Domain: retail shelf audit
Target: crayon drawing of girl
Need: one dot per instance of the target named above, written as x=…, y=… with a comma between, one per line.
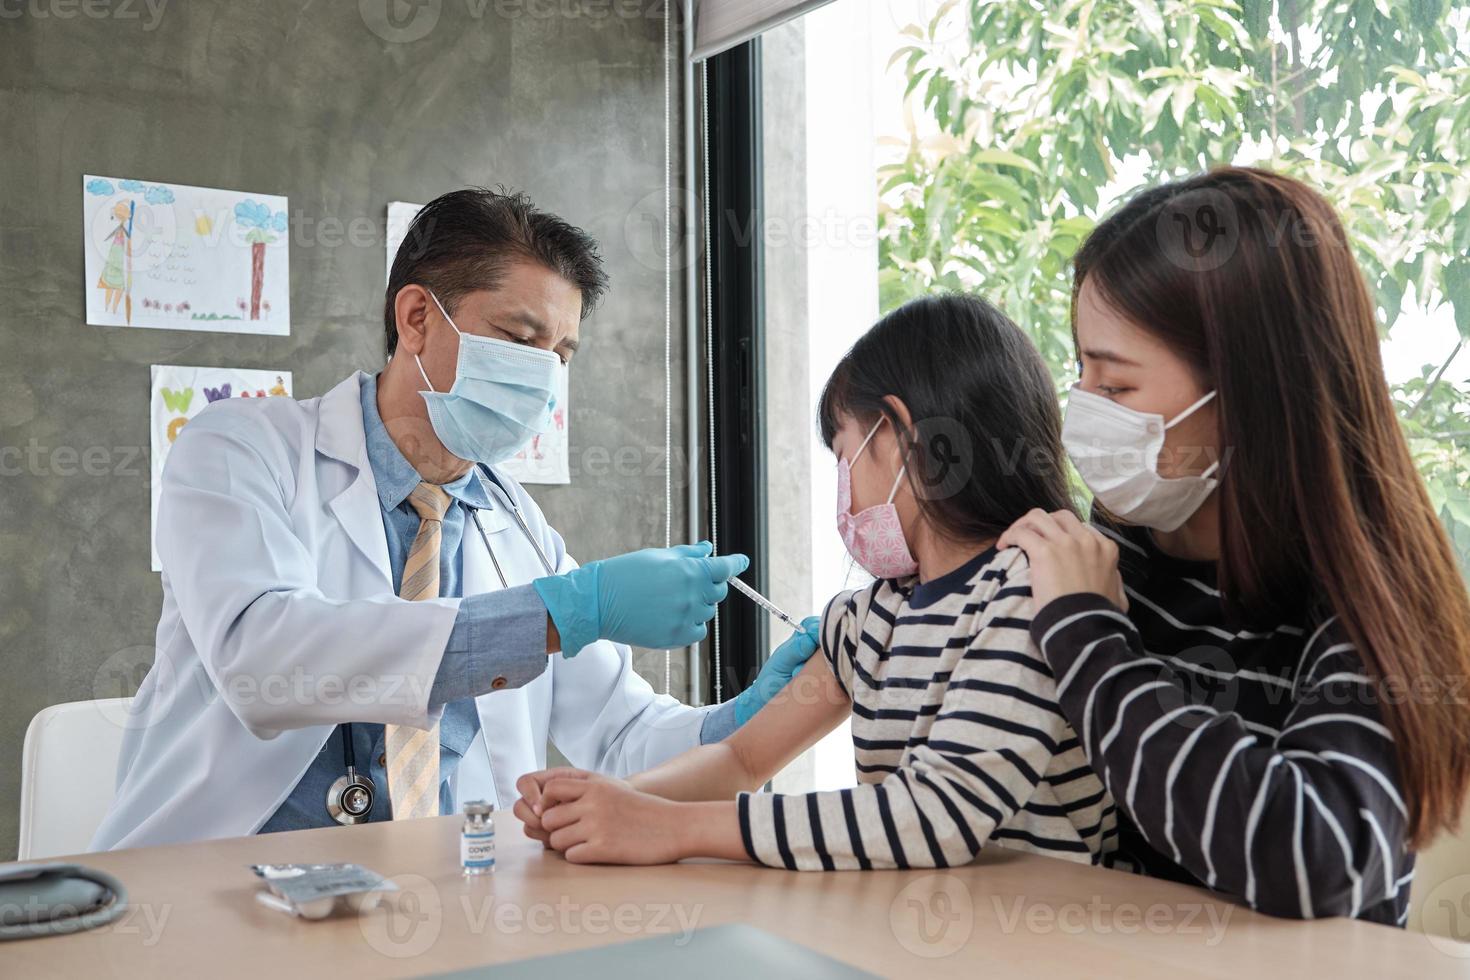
x=114, y=278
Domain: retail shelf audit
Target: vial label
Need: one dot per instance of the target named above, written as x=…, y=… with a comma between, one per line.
x=477, y=851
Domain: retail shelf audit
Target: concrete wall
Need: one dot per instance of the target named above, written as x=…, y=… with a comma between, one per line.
x=341, y=111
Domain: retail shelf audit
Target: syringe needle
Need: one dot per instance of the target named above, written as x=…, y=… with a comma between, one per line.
x=764, y=603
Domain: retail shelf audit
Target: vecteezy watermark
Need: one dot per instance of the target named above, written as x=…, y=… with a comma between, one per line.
x=940, y=21
x=35, y=459
x=1199, y=231
x=565, y=917
x=1211, y=679
x=1444, y=916
x=947, y=456
x=143, y=920
x=415, y=436
x=933, y=916
x=655, y=229
x=400, y=21
x=1169, y=461
x=333, y=231
x=1098, y=916
x=264, y=696
x=409, y=922
x=150, y=12
x=124, y=671
x=119, y=677
x=405, y=21
x=1342, y=689
x=300, y=687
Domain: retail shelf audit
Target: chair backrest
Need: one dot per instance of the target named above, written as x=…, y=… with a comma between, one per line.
x=1439, y=902
x=68, y=775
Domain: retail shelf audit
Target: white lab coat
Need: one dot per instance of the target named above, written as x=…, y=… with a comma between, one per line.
x=279, y=622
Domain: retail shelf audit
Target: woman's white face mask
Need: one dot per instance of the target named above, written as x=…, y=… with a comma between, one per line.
x=1116, y=452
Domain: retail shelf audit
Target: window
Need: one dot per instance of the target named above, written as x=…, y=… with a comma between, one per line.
x=822, y=93
x=1024, y=123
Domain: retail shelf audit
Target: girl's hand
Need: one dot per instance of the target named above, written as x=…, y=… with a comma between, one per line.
x=596, y=820
x=528, y=808
x=1066, y=557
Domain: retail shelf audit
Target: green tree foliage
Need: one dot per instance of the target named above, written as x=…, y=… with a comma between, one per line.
x=1040, y=104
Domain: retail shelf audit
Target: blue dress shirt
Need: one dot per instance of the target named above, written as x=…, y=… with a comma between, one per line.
x=496, y=635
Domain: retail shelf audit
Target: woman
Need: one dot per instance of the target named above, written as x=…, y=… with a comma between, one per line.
x=958, y=737
x=1270, y=680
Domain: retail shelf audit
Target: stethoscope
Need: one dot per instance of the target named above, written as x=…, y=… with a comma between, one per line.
x=350, y=799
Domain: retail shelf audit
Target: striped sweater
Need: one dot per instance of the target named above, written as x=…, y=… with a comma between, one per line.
x=957, y=733
x=1255, y=762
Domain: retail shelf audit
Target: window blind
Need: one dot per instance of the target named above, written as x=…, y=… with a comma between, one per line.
x=722, y=24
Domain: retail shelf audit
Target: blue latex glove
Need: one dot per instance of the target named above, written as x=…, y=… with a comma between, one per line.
x=783, y=664
x=657, y=598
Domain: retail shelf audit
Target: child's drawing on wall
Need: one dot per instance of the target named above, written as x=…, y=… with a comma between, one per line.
x=185, y=258
x=175, y=400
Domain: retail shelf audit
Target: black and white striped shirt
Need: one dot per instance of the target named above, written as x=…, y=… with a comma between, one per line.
x=1255, y=762
x=957, y=733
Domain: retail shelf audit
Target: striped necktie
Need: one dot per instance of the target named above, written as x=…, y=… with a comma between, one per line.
x=413, y=753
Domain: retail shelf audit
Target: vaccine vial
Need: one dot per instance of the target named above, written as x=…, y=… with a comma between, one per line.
x=477, y=839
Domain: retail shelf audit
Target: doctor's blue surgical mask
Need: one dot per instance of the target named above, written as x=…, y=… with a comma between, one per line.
x=503, y=396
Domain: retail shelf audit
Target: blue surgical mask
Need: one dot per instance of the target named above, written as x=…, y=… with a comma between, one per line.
x=503, y=395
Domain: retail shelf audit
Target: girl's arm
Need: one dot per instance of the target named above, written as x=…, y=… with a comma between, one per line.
x=809, y=707
x=659, y=816
x=801, y=713
x=790, y=722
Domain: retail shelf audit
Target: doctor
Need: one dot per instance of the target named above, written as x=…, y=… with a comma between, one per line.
x=315, y=660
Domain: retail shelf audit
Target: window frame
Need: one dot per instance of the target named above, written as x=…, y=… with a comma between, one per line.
x=737, y=311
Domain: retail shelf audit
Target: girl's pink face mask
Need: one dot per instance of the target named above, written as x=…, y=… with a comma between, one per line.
x=873, y=536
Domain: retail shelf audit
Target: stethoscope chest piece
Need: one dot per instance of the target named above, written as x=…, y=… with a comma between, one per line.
x=350, y=799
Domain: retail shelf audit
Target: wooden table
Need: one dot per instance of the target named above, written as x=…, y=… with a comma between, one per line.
x=1009, y=914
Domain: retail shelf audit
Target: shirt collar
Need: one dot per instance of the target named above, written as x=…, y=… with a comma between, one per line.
x=393, y=473
x=926, y=594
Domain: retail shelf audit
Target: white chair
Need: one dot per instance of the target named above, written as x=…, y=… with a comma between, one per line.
x=1439, y=899
x=68, y=775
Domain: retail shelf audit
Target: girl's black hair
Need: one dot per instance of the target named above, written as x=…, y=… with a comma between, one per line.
x=985, y=442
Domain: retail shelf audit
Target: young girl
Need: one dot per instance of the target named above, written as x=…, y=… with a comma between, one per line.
x=945, y=427
x=1273, y=689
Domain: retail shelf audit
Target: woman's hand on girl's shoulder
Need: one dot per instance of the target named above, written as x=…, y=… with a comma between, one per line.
x=1066, y=557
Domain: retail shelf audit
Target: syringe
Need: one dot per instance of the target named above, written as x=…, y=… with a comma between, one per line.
x=764, y=603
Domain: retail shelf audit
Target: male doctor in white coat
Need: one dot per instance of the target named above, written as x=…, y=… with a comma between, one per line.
x=363, y=618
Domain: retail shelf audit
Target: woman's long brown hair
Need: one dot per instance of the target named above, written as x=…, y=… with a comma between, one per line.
x=1248, y=275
